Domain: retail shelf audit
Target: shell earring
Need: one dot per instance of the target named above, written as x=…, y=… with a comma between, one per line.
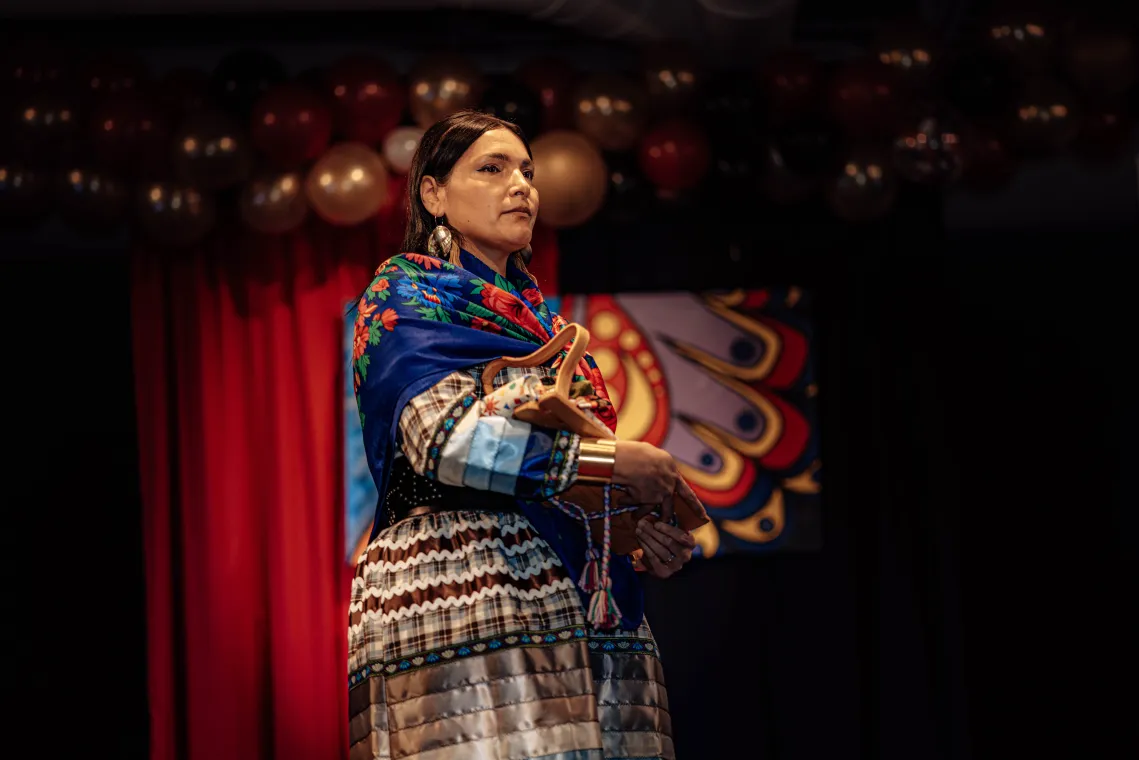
x=440, y=240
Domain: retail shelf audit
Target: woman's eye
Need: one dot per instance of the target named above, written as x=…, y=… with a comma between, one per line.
x=490, y=168
x=528, y=175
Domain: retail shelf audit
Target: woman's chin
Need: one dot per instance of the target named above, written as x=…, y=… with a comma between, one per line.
x=518, y=242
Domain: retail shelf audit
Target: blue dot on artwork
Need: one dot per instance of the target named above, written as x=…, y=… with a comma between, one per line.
x=742, y=350
x=746, y=421
x=707, y=460
x=767, y=525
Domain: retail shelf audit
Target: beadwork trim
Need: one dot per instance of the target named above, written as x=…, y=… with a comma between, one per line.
x=561, y=459
x=443, y=434
x=452, y=653
x=626, y=644
x=599, y=644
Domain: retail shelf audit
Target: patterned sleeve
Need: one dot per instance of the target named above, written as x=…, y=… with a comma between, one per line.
x=453, y=433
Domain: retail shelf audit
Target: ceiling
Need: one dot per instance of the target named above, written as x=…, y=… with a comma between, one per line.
x=723, y=29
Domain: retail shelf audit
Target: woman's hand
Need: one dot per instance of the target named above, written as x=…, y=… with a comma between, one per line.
x=649, y=475
x=667, y=548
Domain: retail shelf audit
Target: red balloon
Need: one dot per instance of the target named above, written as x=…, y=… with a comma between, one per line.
x=790, y=81
x=130, y=135
x=674, y=155
x=553, y=80
x=863, y=98
x=291, y=126
x=368, y=98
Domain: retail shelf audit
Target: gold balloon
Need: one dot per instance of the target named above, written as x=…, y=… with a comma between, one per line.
x=274, y=203
x=570, y=177
x=211, y=152
x=441, y=85
x=610, y=110
x=348, y=184
x=175, y=215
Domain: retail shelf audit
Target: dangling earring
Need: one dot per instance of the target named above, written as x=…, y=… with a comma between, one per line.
x=440, y=240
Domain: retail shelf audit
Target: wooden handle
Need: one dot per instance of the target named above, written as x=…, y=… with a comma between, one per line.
x=575, y=332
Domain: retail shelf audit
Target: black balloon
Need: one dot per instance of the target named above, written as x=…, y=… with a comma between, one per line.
x=241, y=78
x=44, y=125
x=630, y=194
x=865, y=186
x=979, y=85
x=730, y=106
x=929, y=148
x=1104, y=134
x=25, y=194
x=808, y=147
x=734, y=164
x=92, y=201
x=988, y=163
x=912, y=51
x=513, y=101
x=778, y=182
x=1044, y=117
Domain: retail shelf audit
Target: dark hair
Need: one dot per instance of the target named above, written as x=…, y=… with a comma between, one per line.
x=439, y=149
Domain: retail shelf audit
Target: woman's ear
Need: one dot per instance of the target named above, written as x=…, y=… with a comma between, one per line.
x=434, y=196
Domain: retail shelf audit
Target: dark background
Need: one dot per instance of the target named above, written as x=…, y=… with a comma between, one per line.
x=975, y=594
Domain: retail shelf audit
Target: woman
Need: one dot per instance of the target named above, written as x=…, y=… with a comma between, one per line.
x=468, y=633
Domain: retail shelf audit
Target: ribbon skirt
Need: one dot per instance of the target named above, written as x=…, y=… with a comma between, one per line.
x=467, y=639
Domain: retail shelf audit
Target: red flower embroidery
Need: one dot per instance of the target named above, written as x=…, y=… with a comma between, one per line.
x=381, y=285
x=355, y=381
x=506, y=305
x=427, y=262
x=380, y=268
x=534, y=296
x=485, y=324
x=389, y=319
x=360, y=332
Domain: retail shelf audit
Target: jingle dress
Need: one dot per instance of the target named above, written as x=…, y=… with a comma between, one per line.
x=467, y=631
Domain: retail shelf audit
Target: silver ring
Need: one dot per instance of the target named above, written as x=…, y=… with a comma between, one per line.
x=671, y=557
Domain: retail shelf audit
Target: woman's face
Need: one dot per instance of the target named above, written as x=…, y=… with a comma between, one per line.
x=490, y=196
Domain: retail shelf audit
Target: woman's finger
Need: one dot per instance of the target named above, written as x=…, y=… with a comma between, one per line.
x=656, y=565
x=681, y=537
x=655, y=544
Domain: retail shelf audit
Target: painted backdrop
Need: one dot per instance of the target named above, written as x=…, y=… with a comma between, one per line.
x=725, y=382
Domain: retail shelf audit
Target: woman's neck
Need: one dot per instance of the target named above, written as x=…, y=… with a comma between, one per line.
x=495, y=260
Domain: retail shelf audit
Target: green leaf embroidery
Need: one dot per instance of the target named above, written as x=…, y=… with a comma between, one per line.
x=479, y=310
x=362, y=366
x=375, y=330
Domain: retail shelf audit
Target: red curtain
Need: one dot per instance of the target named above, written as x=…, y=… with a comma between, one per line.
x=239, y=374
